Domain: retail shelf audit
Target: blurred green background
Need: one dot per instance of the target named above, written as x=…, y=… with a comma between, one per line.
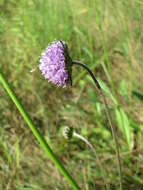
x=107, y=35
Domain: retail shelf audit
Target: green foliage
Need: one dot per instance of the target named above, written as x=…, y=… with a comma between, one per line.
x=105, y=35
x=25, y=188
x=138, y=95
x=124, y=125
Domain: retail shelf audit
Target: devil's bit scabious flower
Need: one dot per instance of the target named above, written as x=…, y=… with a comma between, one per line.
x=55, y=64
x=68, y=132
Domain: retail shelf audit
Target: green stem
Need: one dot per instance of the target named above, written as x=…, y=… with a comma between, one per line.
x=36, y=133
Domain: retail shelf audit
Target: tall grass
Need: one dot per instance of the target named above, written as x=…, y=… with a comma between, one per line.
x=105, y=35
x=48, y=151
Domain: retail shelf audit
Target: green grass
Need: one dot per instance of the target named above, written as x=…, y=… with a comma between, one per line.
x=107, y=35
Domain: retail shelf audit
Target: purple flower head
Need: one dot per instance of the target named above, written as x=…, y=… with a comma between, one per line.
x=55, y=64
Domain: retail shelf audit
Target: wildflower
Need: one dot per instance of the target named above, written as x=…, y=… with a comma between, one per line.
x=68, y=132
x=55, y=64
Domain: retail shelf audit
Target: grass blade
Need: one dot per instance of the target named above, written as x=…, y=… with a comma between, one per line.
x=36, y=133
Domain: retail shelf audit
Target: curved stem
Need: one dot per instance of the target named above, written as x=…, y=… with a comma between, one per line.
x=108, y=117
x=48, y=151
x=95, y=153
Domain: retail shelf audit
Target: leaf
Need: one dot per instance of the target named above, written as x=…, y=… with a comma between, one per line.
x=123, y=89
x=125, y=48
x=98, y=107
x=25, y=188
x=87, y=51
x=78, y=31
x=138, y=95
x=104, y=87
x=93, y=97
x=119, y=119
x=124, y=125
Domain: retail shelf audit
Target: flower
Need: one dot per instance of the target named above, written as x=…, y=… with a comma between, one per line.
x=55, y=64
x=68, y=132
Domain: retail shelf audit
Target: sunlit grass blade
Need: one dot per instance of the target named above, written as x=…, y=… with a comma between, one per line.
x=36, y=133
x=124, y=125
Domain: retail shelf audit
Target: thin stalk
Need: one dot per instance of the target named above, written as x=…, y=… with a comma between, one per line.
x=108, y=117
x=94, y=151
x=37, y=134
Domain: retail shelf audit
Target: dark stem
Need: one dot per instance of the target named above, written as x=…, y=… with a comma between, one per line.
x=108, y=116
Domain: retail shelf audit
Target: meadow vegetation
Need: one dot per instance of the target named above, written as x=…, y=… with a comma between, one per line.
x=107, y=35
